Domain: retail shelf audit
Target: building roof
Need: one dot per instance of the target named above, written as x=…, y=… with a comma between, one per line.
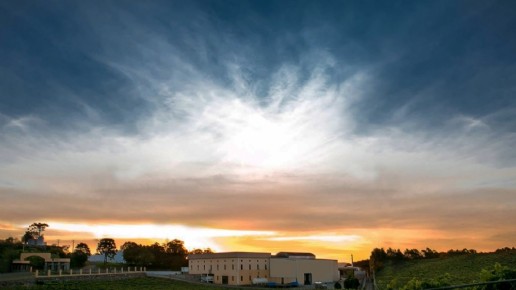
x=229, y=255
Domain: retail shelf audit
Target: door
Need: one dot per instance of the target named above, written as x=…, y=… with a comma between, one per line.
x=224, y=279
x=308, y=278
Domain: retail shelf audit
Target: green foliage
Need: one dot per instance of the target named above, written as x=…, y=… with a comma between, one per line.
x=495, y=273
x=393, y=284
x=463, y=269
x=413, y=284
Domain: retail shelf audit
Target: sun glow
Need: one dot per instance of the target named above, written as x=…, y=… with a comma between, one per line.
x=192, y=236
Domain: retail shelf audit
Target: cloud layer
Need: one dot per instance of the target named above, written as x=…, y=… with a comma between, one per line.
x=229, y=124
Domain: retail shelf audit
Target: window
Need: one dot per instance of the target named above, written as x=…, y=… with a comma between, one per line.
x=217, y=267
x=204, y=267
x=265, y=266
x=224, y=267
x=249, y=266
x=257, y=267
x=232, y=278
x=241, y=267
x=241, y=278
x=250, y=279
x=233, y=267
x=197, y=267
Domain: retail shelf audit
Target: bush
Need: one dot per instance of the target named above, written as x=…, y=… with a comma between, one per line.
x=351, y=283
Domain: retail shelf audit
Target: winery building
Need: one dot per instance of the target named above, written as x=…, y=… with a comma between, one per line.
x=246, y=268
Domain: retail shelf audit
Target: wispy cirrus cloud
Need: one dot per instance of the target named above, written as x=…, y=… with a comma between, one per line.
x=210, y=125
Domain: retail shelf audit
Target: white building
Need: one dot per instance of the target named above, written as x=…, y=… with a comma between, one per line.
x=245, y=268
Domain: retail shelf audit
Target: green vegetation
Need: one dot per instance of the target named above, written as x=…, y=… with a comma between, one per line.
x=134, y=283
x=447, y=269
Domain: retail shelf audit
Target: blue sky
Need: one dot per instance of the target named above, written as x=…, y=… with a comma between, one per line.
x=250, y=106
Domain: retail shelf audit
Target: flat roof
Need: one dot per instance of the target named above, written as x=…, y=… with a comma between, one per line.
x=229, y=255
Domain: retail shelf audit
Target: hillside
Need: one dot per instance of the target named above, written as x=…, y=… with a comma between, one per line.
x=463, y=268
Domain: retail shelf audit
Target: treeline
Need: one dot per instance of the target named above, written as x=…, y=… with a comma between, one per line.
x=379, y=255
x=170, y=255
x=11, y=248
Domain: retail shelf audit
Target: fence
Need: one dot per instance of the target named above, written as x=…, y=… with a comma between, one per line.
x=80, y=272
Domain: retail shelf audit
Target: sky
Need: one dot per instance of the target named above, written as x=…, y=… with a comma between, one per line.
x=331, y=127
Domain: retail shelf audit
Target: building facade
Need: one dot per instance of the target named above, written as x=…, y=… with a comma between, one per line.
x=246, y=268
x=53, y=264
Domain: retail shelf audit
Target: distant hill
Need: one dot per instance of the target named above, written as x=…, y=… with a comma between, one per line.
x=463, y=268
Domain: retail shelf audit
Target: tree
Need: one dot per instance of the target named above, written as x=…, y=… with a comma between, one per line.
x=201, y=251
x=82, y=247
x=131, y=252
x=377, y=259
x=34, y=231
x=80, y=255
x=107, y=247
x=176, y=247
x=27, y=237
x=197, y=252
x=37, y=229
x=412, y=254
x=429, y=253
x=176, y=254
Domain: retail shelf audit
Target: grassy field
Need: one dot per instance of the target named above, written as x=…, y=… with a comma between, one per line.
x=463, y=269
x=132, y=283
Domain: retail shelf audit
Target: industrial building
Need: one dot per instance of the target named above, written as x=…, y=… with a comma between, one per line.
x=246, y=268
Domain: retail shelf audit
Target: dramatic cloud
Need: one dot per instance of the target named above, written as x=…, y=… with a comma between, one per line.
x=222, y=130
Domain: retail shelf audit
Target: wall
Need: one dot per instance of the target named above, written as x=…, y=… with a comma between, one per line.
x=292, y=270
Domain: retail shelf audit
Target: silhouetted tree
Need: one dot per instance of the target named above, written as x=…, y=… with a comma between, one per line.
x=107, y=247
x=80, y=255
x=201, y=251
x=429, y=253
x=412, y=254
x=176, y=247
x=82, y=247
x=37, y=228
x=27, y=237
x=377, y=259
x=131, y=252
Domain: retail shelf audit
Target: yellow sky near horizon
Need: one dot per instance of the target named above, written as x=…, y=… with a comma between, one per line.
x=328, y=245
